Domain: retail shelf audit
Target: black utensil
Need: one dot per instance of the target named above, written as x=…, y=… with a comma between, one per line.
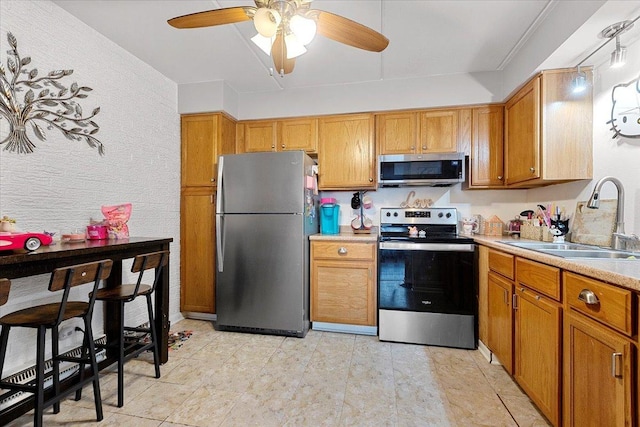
x=355, y=200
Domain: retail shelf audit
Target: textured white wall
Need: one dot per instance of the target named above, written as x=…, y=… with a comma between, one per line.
x=63, y=183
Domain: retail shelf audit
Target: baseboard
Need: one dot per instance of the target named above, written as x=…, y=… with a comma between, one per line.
x=200, y=316
x=488, y=354
x=343, y=328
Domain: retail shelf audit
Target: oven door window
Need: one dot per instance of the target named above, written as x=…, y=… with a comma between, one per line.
x=430, y=281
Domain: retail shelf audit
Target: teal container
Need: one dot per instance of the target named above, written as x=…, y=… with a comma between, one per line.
x=329, y=218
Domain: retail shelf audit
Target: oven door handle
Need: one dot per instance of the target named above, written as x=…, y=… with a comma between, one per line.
x=441, y=247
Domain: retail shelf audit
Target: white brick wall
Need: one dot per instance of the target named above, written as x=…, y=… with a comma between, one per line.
x=63, y=183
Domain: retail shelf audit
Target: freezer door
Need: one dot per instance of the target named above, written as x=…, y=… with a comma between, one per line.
x=265, y=278
x=262, y=182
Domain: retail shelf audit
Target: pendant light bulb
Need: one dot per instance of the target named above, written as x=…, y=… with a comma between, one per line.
x=294, y=47
x=264, y=43
x=266, y=21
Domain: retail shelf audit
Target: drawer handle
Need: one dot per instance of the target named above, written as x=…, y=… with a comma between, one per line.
x=342, y=250
x=588, y=297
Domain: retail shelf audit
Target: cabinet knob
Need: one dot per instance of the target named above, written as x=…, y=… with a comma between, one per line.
x=342, y=250
x=588, y=297
x=424, y=147
x=499, y=177
x=273, y=146
x=532, y=169
x=370, y=179
x=616, y=368
x=213, y=180
x=413, y=147
x=282, y=145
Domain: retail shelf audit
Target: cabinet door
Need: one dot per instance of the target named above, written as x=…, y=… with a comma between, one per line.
x=439, y=131
x=260, y=136
x=538, y=325
x=298, y=134
x=197, y=251
x=397, y=133
x=500, y=324
x=198, y=134
x=597, y=375
x=346, y=155
x=343, y=292
x=522, y=134
x=487, y=150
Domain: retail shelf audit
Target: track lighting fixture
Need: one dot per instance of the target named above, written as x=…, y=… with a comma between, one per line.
x=618, y=56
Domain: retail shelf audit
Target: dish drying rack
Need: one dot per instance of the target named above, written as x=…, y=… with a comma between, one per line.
x=362, y=229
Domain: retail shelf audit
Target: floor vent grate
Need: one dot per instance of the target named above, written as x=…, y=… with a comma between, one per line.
x=10, y=398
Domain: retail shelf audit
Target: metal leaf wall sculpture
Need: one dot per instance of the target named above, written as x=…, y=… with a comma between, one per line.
x=45, y=102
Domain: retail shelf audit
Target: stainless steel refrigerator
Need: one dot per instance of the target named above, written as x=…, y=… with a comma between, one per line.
x=264, y=216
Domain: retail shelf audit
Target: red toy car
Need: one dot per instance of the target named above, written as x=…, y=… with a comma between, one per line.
x=28, y=241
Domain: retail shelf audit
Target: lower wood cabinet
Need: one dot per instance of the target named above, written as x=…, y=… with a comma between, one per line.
x=500, y=325
x=343, y=282
x=197, y=250
x=597, y=374
x=538, y=346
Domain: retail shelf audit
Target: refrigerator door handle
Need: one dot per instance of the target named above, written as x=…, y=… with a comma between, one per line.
x=219, y=215
x=219, y=199
x=219, y=231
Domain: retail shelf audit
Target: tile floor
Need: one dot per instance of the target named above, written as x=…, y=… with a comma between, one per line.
x=325, y=379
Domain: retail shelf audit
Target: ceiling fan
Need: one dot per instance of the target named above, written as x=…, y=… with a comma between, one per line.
x=286, y=26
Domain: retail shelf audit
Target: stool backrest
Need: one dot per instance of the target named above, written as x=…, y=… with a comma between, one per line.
x=141, y=263
x=5, y=285
x=66, y=278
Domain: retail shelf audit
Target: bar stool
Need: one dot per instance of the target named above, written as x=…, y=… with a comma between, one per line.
x=130, y=346
x=50, y=316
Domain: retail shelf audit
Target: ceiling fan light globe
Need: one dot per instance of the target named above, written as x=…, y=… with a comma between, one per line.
x=303, y=28
x=294, y=47
x=266, y=21
x=264, y=43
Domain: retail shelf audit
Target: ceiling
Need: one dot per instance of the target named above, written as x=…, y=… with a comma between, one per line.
x=427, y=38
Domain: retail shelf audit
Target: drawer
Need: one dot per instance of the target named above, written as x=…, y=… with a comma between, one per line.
x=343, y=250
x=540, y=277
x=613, y=305
x=501, y=263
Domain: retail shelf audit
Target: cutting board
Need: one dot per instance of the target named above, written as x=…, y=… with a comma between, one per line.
x=594, y=226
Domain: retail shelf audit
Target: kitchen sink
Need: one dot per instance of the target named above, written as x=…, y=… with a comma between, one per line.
x=594, y=254
x=537, y=246
x=575, y=250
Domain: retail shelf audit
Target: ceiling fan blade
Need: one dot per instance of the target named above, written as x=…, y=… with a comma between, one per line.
x=228, y=15
x=349, y=32
x=279, y=55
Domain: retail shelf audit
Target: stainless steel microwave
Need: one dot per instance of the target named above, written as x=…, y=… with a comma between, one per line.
x=435, y=170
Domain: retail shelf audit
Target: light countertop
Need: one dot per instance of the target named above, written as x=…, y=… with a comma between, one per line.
x=347, y=234
x=625, y=273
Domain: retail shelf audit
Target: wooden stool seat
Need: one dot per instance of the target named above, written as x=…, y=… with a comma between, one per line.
x=44, y=315
x=124, y=292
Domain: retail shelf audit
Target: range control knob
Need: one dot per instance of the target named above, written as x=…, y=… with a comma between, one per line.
x=448, y=214
x=440, y=215
x=388, y=213
x=395, y=214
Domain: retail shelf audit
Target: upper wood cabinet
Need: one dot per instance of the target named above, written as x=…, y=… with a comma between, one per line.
x=486, y=165
x=204, y=137
x=346, y=152
x=420, y=132
x=549, y=131
x=279, y=135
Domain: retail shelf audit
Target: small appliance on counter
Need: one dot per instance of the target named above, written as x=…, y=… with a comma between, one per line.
x=329, y=216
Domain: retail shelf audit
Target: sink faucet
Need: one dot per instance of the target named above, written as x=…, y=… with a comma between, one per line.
x=618, y=238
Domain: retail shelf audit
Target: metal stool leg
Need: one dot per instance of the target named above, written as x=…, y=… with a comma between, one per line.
x=91, y=352
x=4, y=339
x=55, y=352
x=154, y=336
x=39, y=392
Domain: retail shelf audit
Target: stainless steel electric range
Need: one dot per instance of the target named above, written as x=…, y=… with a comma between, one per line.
x=427, y=291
